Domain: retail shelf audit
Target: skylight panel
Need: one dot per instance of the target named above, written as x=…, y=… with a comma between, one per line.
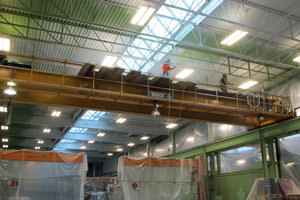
x=92, y=115
x=70, y=141
x=166, y=27
x=165, y=11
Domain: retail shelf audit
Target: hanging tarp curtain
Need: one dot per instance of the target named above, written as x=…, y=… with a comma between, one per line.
x=31, y=175
x=167, y=179
x=290, y=157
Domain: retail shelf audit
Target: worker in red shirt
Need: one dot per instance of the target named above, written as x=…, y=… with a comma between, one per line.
x=166, y=68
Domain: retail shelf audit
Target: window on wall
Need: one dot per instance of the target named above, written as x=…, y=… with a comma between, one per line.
x=241, y=159
x=290, y=157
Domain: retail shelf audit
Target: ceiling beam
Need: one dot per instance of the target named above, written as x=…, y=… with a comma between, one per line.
x=133, y=34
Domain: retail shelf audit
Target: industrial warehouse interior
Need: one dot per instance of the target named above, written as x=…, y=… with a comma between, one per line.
x=149, y=100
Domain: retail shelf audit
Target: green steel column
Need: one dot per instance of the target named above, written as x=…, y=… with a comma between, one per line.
x=174, y=143
x=263, y=153
x=212, y=176
x=218, y=163
x=272, y=166
x=279, y=159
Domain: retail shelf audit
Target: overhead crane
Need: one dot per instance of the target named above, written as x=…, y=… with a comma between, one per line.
x=109, y=89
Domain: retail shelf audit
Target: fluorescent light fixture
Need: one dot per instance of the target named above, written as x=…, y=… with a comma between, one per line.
x=109, y=61
x=4, y=146
x=234, y=37
x=159, y=150
x=11, y=83
x=3, y=109
x=146, y=16
x=121, y=120
x=4, y=127
x=225, y=127
x=91, y=141
x=139, y=14
x=46, y=130
x=101, y=134
x=248, y=84
x=37, y=148
x=142, y=15
x=290, y=164
x=145, y=154
x=184, y=73
x=297, y=59
x=10, y=91
x=190, y=139
x=4, y=44
x=131, y=144
x=145, y=138
x=241, y=162
x=56, y=113
x=171, y=125
x=83, y=147
x=40, y=141
x=4, y=139
x=119, y=149
x=110, y=154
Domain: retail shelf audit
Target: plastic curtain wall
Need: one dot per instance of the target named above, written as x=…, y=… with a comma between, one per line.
x=195, y=134
x=163, y=148
x=241, y=159
x=29, y=175
x=167, y=179
x=291, y=89
x=200, y=133
x=139, y=152
x=290, y=157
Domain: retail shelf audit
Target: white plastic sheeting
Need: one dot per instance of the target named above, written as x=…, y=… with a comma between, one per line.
x=290, y=157
x=200, y=133
x=271, y=188
x=96, y=187
x=194, y=134
x=219, y=131
x=139, y=152
x=30, y=175
x=241, y=159
x=162, y=179
x=163, y=148
x=114, y=192
x=290, y=89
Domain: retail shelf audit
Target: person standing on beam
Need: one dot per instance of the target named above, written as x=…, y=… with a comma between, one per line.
x=166, y=68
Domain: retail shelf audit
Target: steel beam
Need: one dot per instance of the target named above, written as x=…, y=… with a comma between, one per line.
x=133, y=34
x=113, y=96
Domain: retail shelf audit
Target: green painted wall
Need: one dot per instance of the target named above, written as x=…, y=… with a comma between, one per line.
x=235, y=186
